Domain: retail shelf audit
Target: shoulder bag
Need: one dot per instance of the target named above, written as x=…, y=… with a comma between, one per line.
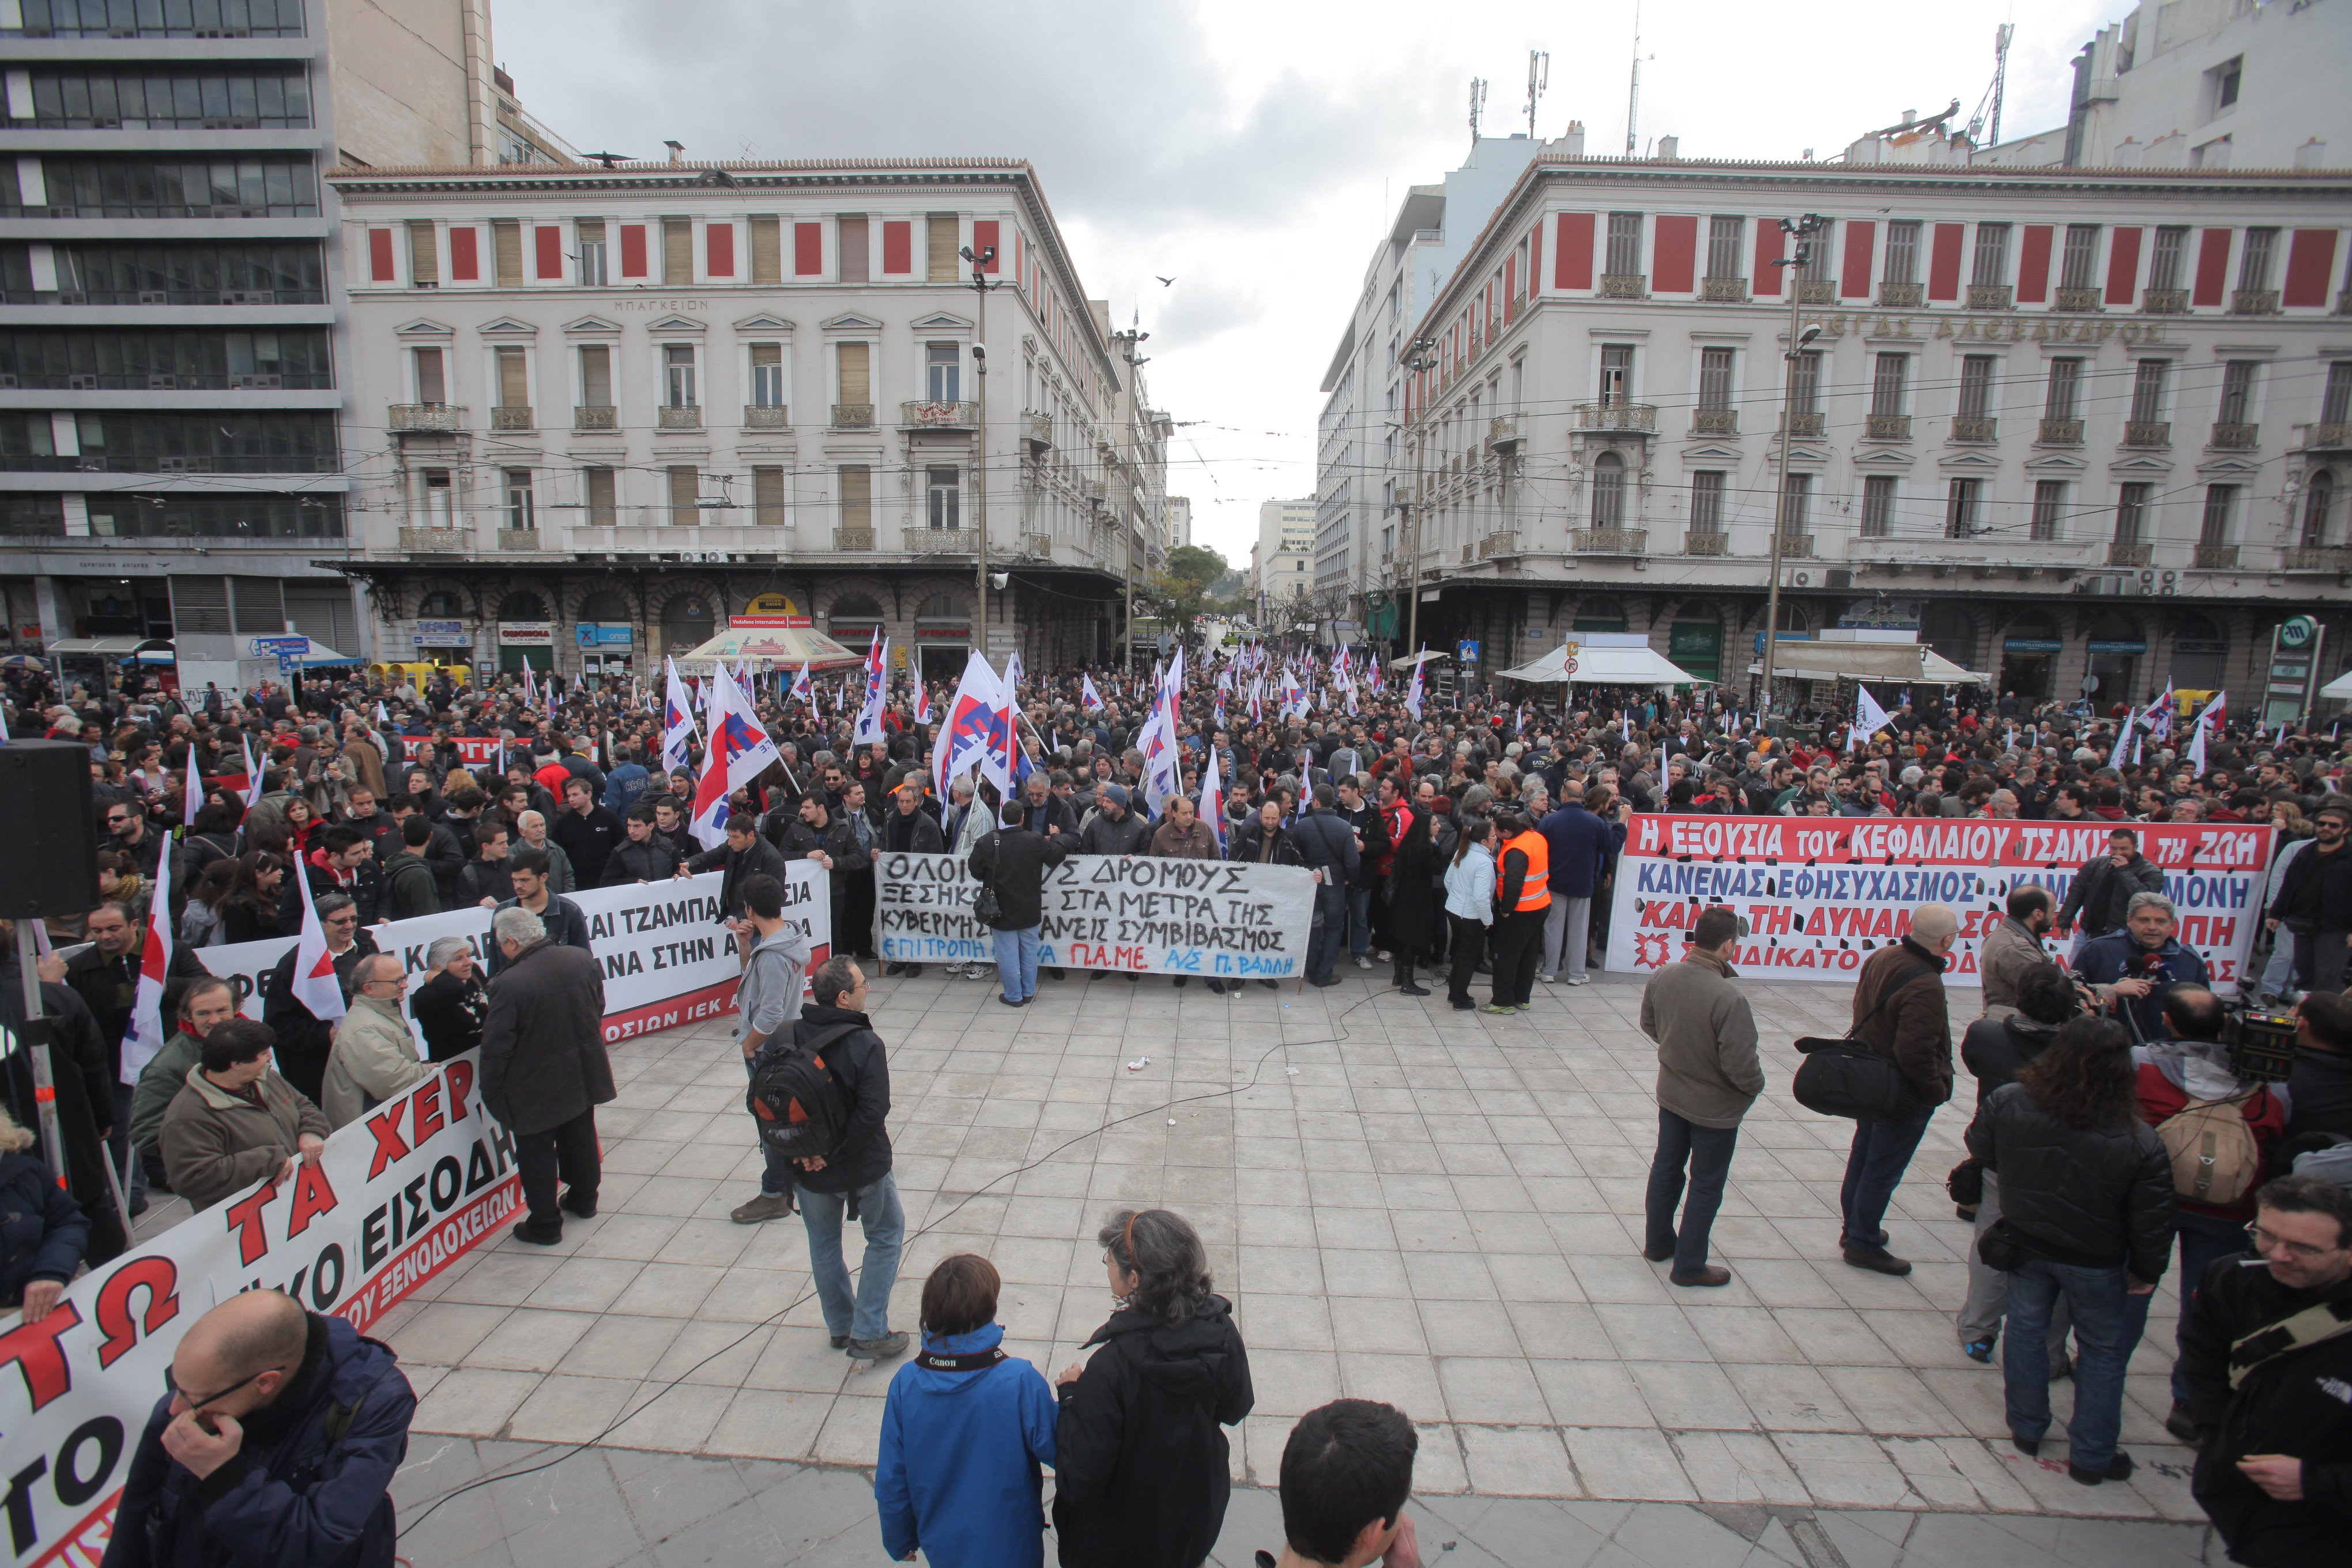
x=1844, y=1077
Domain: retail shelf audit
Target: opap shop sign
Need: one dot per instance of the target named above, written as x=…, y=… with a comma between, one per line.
x=526, y=633
x=1821, y=894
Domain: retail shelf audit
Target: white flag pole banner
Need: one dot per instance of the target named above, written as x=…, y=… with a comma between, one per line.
x=1134, y=913
x=394, y=1197
x=1821, y=894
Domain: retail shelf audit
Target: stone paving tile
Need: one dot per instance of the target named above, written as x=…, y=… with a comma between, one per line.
x=1457, y=1205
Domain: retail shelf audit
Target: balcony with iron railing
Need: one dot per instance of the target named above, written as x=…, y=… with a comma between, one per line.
x=1807, y=423
x=1505, y=542
x=1817, y=291
x=1038, y=546
x=1715, y=422
x=1038, y=429
x=1901, y=296
x=2236, y=437
x=512, y=417
x=1502, y=430
x=853, y=416
x=2215, y=558
x=2134, y=554
x=1625, y=285
x=512, y=539
x=1706, y=543
x=767, y=416
x=925, y=415
x=1886, y=427
x=2315, y=558
x=426, y=418
x=2147, y=433
x=1989, y=296
x=2320, y=437
x=677, y=534
x=942, y=541
x=677, y=416
x=435, y=541
x=1796, y=547
x=595, y=416
x=2254, y=302
x=1724, y=290
x=2164, y=302
x=1610, y=541
x=2074, y=300
x=2062, y=433
x=1975, y=429
x=853, y=539
x=1635, y=417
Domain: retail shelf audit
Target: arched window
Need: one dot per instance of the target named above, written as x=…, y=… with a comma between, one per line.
x=2318, y=500
x=607, y=605
x=1608, y=490
x=686, y=624
x=441, y=605
x=1597, y=614
x=522, y=607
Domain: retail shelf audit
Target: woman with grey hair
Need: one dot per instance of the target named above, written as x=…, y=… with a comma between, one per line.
x=1140, y=1465
x=449, y=1006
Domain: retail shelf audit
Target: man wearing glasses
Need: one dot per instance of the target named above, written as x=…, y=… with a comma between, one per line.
x=305, y=1039
x=2266, y=1350
x=373, y=1058
x=126, y=826
x=278, y=1426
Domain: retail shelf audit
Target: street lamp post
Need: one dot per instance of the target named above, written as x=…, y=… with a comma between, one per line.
x=981, y=286
x=1805, y=228
x=1420, y=355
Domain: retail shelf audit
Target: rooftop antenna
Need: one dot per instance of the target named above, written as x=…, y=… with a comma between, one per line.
x=1987, y=118
x=1477, y=107
x=1538, y=79
x=1634, y=96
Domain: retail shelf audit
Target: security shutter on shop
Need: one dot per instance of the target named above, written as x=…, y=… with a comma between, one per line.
x=323, y=613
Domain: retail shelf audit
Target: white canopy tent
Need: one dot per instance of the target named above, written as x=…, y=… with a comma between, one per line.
x=1867, y=661
x=2340, y=687
x=1606, y=666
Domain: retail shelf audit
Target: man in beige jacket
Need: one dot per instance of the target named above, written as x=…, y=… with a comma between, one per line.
x=374, y=1056
x=2014, y=947
x=1709, y=1075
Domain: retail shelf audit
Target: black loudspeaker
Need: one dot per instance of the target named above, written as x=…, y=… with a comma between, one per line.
x=49, y=862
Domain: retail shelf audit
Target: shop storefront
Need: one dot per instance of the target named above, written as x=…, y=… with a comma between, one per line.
x=944, y=637
x=2030, y=650
x=2115, y=649
x=526, y=643
x=606, y=648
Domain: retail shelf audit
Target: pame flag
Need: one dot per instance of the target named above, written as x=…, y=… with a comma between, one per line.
x=740, y=752
x=870, y=717
x=678, y=720
x=979, y=730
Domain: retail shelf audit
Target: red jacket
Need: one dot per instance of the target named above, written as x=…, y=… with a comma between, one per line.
x=2161, y=1098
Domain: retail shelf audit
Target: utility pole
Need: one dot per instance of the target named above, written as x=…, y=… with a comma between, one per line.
x=981, y=286
x=1420, y=355
x=1805, y=228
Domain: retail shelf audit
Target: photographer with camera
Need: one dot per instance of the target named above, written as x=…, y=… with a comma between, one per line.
x=2130, y=971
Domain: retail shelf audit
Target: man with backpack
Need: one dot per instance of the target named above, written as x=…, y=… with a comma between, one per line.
x=2218, y=1131
x=765, y=1002
x=824, y=1100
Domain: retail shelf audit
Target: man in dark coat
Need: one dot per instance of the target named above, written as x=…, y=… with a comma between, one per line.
x=84, y=1088
x=644, y=856
x=2101, y=891
x=745, y=854
x=105, y=976
x=1899, y=1013
x=304, y=1039
x=544, y=1071
x=276, y=1446
x=1013, y=860
x=564, y=922
x=853, y=1182
x=1580, y=845
x=2314, y=900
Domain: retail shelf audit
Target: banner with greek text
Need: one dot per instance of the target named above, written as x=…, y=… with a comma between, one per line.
x=391, y=1200
x=1820, y=894
x=667, y=959
x=1129, y=912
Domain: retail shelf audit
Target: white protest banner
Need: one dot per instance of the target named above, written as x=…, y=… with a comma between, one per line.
x=1132, y=913
x=667, y=959
x=393, y=1197
x=1821, y=894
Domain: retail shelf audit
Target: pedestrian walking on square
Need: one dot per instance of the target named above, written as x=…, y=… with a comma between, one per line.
x=544, y=1071
x=1141, y=1475
x=768, y=1000
x=1014, y=861
x=1709, y=1075
x=853, y=1182
x=2086, y=1215
x=1898, y=1013
x=1469, y=906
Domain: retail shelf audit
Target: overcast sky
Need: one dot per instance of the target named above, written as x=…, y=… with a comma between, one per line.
x=1254, y=152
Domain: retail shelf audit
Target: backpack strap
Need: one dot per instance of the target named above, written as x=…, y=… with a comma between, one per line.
x=1887, y=995
x=825, y=1037
x=2313, y=1325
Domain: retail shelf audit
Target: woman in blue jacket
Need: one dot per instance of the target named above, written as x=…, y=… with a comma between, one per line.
x=964, y=1430
x=42, y=1230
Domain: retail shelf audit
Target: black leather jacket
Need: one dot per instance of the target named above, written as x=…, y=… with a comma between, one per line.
x=2094, y=1197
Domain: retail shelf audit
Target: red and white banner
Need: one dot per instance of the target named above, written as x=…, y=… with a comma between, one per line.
x=1821, y=894
x=472, y=752
x=394, y=1197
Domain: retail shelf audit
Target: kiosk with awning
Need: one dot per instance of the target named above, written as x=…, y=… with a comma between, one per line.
x=777, y=642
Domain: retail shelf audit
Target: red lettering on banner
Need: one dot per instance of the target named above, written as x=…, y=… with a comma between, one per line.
x=389, y=1147
x=314, y=1195
x=245, y=1219
x=424, y=1113
x=159, y=1278
x=460, y=1076
x=31, y=1349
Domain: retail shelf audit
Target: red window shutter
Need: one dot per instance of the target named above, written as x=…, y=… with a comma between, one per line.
x=381, y=269
x=899, y=246
x=2310, y=263
x=1534, y=261
x=1943, y=263
x=718, y=249
x=1677, y=255
x=1573, y=270
x=2212, y=266
x=2122, y=268
x=808, y=249
x=983, y=239
x=1770, y=246
x=548, y=241
x=633, y=250
x=1510, y=288
x=1860, y=246
x=2034, y=265
x=465, y=261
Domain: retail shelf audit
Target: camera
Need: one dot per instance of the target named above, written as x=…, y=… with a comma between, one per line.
x=2261, y=1044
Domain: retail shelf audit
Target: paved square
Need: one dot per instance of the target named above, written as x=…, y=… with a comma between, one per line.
x=1438, y=1209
